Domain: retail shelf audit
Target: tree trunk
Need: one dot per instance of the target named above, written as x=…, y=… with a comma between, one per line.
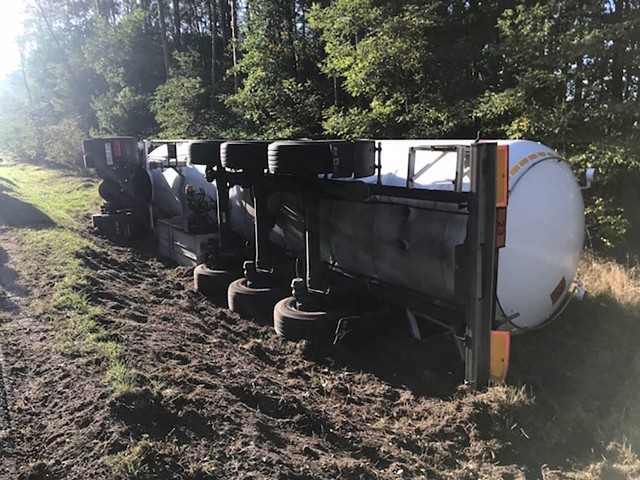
x=234, y=42
x=578, y=85
x=291, y=24
x=65, y=58
x=616, y=56
x=224, y=23
x=213, y=23
x=24, y=70
x=165, y=44
x=176, y=23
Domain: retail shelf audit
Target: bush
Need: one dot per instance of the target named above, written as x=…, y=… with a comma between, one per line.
x=611, y=208
x=63, y=143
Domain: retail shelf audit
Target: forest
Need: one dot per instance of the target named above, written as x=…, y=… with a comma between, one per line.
x=565, y=73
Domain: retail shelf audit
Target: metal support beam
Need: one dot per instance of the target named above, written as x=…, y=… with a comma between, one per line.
x=483, y=259
x=441, y=196
x=312, y=242
x=222, y=211
x=460, y=164
x=262, y=227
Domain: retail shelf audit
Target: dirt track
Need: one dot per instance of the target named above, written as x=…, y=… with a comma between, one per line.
x=11, y=301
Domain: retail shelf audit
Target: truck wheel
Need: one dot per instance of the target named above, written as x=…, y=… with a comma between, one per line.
x=308, y=157
x=213, y=283
x=255, y=303
x=205, y=152
x=246, y=156
x=295, y=325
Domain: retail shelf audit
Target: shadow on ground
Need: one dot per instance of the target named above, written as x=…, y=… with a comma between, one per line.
x=582, y=371
x=19, y=214
x=428, y=368
x=9, y=288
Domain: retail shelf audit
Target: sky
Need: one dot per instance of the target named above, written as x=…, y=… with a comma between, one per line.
x=11, y=23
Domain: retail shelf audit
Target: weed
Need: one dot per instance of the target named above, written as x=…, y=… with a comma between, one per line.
x=133, y=463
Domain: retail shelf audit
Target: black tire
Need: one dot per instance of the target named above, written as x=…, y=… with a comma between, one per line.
x=255, y=303
x=308, y=157
x=295, y=325
x=245, y=156
x=214, y=283
x=364, y=158
x=110, y=190
x=205, y=152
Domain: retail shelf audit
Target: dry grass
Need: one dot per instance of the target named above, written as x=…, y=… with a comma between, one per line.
x=584, y=371
x=618, y=285
x=608, y=280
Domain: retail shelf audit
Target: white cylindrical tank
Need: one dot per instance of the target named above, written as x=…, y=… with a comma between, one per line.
x=169, y=182
x=545, y=234
x=545, y=222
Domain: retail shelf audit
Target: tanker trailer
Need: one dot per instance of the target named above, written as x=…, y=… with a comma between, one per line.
x=544, y=232
x=408, y=232
x=412, y=243
x=398, y=240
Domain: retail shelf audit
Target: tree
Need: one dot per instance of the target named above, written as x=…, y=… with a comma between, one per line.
x=279, y=96
x=181, y=105
x=128, y=55
x=412, y=68
x=56, y=86
x=570, y=80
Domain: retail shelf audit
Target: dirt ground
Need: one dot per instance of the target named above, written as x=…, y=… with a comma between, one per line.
x=222, y=397
x=218, y=396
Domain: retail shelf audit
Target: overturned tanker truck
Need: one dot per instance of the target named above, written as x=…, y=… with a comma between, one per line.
x=319, y=236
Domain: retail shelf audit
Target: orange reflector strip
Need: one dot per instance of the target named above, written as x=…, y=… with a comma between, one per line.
x=502, y=176
x=501, y=227
x=500, y=347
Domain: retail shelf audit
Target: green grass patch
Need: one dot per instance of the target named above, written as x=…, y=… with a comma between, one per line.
x=62, y=196
x=52, y=258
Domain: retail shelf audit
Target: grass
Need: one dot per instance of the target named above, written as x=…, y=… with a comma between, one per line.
x=63, y=197
x=55, y=253
x=610, y=281
x=148, y=459
x=618, y=287
x=584, y=371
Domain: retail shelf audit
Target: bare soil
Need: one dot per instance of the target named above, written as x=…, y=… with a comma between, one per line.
x=219, y=396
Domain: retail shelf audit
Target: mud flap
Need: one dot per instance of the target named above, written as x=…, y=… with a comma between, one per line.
x=500, y=347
